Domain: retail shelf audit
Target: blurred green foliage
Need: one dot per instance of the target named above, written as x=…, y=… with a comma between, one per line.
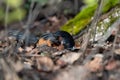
x=89, y=2
x=17, y=14
x=42, y=2
x=14, y=3
x=15, y=11
x=109, y=4
x=83, y=18
x=2, y=14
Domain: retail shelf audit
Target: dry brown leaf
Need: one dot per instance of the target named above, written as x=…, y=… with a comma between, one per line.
x=75, y=73
x=28, y=49
x=44, y=63
x=111, y=65
x=20, y=49
x=61, y=63
x=70, y=58
x=117, y=51
x=96, y=64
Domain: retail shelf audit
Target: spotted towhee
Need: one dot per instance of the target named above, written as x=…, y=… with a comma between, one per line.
x=59, y=39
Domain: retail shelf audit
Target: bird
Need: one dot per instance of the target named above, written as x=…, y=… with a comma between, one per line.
x=59, y=39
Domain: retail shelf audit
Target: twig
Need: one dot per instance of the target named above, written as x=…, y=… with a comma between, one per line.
x=93, y=25
x=6, y=18
x=76, y=3
x=31, y=17
x=114, y=42
x=33, y=13
x=9, y=72
x=88, y=34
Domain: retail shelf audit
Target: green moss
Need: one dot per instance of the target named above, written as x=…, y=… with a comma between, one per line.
x=80, y=20
x=16, y=12
x=109, y=4
x=14, y=3
x=112, y=17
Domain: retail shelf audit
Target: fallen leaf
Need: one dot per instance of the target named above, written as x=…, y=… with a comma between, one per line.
x=28, y=49
x=75, y=73
x=117, y=51
x=96, y=64
x=111, y=65
x=44, y=63
x=20, y=49
x=70, y=58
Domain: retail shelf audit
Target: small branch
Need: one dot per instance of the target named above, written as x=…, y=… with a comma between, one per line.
x=93, y=25
x=114, y=42
x=6, y=18
x=33, y=13
x=31, y=17
x=8, y=69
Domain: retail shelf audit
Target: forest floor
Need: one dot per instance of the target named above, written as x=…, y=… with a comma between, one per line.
x=21, y=62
